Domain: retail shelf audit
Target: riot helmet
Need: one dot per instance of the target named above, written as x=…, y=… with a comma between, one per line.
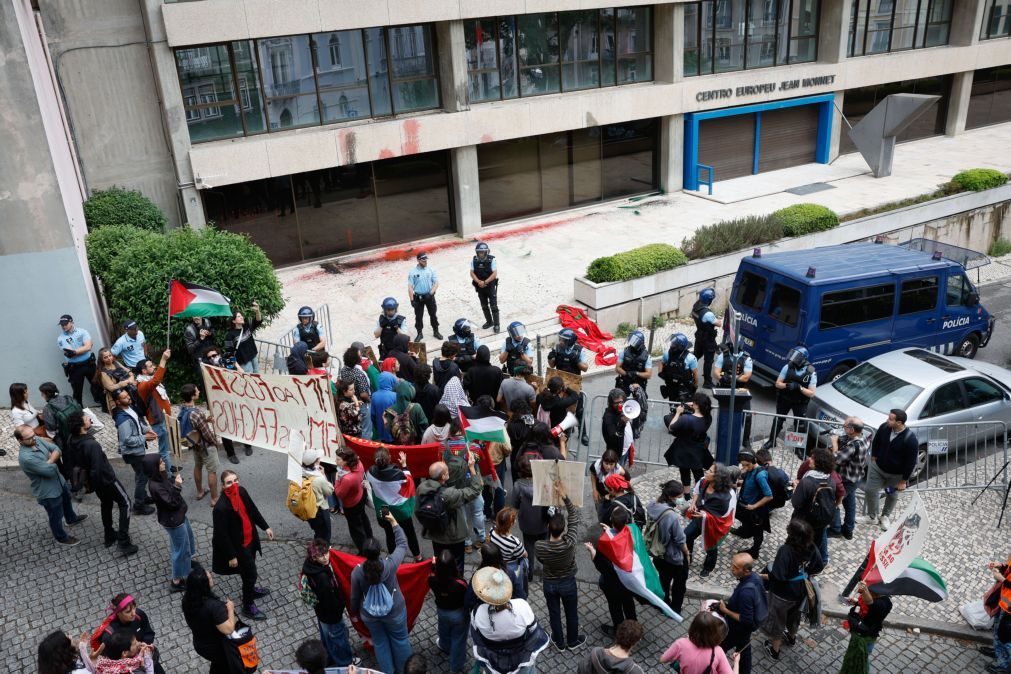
x=481, y=250
x=798, y=357
x=679, y=341
x=517, y=331
x=463, y=328
x=567, y=339
x=306, y=312
x=707, y=295
x=636, y=341
x=390, y=307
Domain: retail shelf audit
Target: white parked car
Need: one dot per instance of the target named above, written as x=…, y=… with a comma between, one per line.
x=935, y=391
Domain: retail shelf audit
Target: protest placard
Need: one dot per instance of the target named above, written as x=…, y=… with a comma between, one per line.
x=546, y=472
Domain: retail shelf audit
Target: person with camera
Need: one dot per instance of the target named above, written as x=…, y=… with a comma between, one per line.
x=75, y=343
x=850, y=451
x=422, y=283
x=689, y=425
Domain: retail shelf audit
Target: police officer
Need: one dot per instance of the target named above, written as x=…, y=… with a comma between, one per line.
x=463, y=334
x=422, y=283
x=705, y=333
x=517, y=349
x=75, y=343
x=679, y=370
x=484, y=276
x=389, y=325
x=723, y=377
x=795, y=388
x=308, y=330
x=635, y=365
x=131, y=346
x=568, y=355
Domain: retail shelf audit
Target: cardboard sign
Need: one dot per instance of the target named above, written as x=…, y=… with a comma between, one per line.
x=535, y=381
x=572, y=381
x=572, y=475
x=895, y=549
x=271, y=411
x=420, y=350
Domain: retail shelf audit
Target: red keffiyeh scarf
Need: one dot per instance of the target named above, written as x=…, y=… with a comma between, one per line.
x=232, y=493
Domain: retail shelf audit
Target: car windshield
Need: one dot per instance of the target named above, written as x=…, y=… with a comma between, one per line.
x=874, y=388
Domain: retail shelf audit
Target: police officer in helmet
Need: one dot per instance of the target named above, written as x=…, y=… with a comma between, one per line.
x=706, y=324
x=679, y=370
x=723, y=375
x=463, y=334
x=795, y=387
x=484, y=277
x=568, y=355
x=389, y=325
x=517, y=349
x=308, y=330
x=635, y=365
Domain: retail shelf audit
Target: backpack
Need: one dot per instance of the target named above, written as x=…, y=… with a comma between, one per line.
x=62, y=416
x=305, y=591
x=401, y=427
x=821, y=508
x=636, y=512
x=302, y=499
x=378, y=600
x=190, y=436
x=780, y=485
x=651, y=535
x=432, y=513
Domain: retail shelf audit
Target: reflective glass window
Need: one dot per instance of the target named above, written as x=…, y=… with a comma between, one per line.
x=289, y=81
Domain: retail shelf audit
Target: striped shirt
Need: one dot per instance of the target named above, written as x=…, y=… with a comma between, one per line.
x=559, y=557
x=511, y=547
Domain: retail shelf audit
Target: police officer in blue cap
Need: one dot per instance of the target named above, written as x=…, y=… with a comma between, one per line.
x=422, y=282
x=706, y=323
x=484, y=277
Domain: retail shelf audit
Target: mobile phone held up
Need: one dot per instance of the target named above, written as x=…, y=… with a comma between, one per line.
x=384, y=511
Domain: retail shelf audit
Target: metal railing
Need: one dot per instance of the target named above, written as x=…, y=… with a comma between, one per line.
x=652, y=442
x=709, y=177
x=322, y=319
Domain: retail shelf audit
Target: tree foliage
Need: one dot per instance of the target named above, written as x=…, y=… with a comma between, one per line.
x=119, y=206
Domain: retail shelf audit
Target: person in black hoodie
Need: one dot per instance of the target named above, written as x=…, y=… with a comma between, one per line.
x=296, y=359
x=168, y=500
x=483, y=378
x=556, y=400
x=426, y=393
x=612, y=425
x=101, y=478
x=445, y=368
x=330, y=605
x=407, y=360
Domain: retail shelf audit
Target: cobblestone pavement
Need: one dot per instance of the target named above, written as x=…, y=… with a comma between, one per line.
x=47, y=587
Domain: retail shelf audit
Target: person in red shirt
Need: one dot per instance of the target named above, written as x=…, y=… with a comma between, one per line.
x=351, y=496
x=156, y=401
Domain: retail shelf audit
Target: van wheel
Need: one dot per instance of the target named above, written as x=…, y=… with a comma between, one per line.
x=969, y=346
x=920, y=469
x=839, y=370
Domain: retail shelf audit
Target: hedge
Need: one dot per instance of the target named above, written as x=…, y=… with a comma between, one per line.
x=801, y=219
x=979, y=179
x=729, y=236
x=136, y=276
x=118, y=206
x=635, y=263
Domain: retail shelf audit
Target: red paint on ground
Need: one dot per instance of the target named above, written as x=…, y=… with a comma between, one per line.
x=386, y=153
x=411, y=142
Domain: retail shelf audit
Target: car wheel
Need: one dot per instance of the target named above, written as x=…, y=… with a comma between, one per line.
x=839, y=370
x=969, y=346
x=920, y=469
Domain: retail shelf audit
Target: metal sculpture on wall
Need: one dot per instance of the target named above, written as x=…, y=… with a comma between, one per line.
x=874, y=135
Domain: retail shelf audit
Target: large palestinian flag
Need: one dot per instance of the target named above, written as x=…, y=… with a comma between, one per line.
x=394, y=488
x=627, y=551
x=481, y=423
x=716, y=527
x=919, y=579
x=188, y=300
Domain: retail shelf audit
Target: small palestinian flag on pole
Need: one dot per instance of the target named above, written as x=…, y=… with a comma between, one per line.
x=626, y=550
x=920, y=579
x=188, y=300
x=481, y=423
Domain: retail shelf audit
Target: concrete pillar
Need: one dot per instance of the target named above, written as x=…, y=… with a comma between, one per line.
x=452, y=65
x=672, y=135
x=833, y=30
x=958, y=103
x=668, y=48
x=966, y=22
x=839, y=127
x=466, y=193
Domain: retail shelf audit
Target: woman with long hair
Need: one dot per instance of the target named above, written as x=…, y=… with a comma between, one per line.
x=58, y=655
x=714, y=499
x=349, y=408
x=540, y=444
x=112, y=376
x=513, y=553
x=210, y=619
x=796, y=560
x=556, y=399
x=377, y=599
x=350, y=493
x=689, y=426
x=672, y=566
x=450, y=591
x=239, y=340
x=22, y=412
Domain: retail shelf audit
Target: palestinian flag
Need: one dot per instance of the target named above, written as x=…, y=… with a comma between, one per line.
x=920, y=579
x=627, y=551
x=716, y=527
x=188, y=300
x=481, y=423
x=394, y=488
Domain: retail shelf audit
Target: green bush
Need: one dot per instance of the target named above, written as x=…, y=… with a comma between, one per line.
x=801, y=219
x=106, y=243
x=118, y=206
x=635, y=263
x=999, y=248
x=978, y=179
x=729, y=236
x=137, y=279
x=624, y=330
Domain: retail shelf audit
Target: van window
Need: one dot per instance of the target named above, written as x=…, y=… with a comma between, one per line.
x=785, y=304
x=856, y=305
x=751, y=291
x=958, y=290
x=918, y=294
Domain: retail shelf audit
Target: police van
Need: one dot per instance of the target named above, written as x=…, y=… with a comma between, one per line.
x=851, y=302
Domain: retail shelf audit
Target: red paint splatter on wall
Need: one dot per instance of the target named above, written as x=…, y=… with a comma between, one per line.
x=386, y=153
x=411, y=142
x=487, y=138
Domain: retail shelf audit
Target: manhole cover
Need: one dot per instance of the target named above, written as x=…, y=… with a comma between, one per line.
x=810, y=189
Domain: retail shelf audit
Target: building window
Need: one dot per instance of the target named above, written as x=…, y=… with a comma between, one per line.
x=727, y=35
x=996, y=19
x=552, y=52
x=306, y=80
x=879, y=26
x=990, y=100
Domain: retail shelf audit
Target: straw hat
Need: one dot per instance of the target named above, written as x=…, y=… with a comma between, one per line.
x=492, y=586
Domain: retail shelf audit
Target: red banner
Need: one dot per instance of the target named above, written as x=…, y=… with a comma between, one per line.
x=419, y=457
